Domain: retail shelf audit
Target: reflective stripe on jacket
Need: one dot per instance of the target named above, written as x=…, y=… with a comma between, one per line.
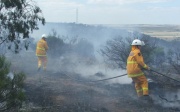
x=135, y=62
x=41, y=48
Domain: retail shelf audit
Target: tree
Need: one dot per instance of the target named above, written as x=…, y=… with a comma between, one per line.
x=11, y=86
x=159, y=57
x=84, y=48
x=117, y=50
x=80, y=46
x=17, y=19
x=174, y=60
x=56, y=45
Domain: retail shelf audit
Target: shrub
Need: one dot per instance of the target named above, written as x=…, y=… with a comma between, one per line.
x=11, y=86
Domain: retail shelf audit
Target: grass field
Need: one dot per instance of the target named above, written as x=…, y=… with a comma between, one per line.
x=167, y=32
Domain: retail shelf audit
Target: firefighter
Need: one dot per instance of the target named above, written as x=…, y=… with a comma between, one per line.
x=41, y=50
x=135, y=64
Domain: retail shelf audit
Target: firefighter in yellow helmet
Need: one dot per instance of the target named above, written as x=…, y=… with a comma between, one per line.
x=135, y=63
x=41, y=50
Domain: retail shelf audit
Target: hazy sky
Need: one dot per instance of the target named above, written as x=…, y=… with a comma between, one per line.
x=112, y=11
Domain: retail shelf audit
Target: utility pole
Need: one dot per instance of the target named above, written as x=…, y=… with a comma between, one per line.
x=76, y=15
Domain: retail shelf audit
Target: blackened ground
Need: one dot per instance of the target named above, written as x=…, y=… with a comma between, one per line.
x=67, y=92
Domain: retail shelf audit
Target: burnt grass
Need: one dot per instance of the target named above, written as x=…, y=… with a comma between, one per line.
x=67, y=92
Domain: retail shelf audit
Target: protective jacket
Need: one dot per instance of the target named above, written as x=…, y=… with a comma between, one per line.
x=41, y=48
x=135, y=63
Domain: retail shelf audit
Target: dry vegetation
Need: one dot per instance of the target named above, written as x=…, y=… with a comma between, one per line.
x=62, y=91
x=58, y=90
x=166, y=32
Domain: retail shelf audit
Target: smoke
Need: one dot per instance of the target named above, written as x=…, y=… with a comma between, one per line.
x=10, y=75
x=100, y=71
x=71, y=62
x=87, y=68
x=98, y=35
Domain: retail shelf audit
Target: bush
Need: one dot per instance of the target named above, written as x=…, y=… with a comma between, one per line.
x=11, y=86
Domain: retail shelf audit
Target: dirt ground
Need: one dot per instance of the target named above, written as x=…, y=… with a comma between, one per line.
x=62, y=91
x=57, y=92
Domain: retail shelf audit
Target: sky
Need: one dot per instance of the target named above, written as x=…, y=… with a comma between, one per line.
x=111, y=11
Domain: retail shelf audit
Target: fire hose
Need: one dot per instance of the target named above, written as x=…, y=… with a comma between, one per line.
x=164, y=75
x=109, y=78
x=96, y=80
x=171, y=79
x=124, y=75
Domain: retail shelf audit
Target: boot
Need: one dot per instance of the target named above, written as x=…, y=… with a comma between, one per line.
x=146, y=99
x=44, y=69
x=39, y=68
